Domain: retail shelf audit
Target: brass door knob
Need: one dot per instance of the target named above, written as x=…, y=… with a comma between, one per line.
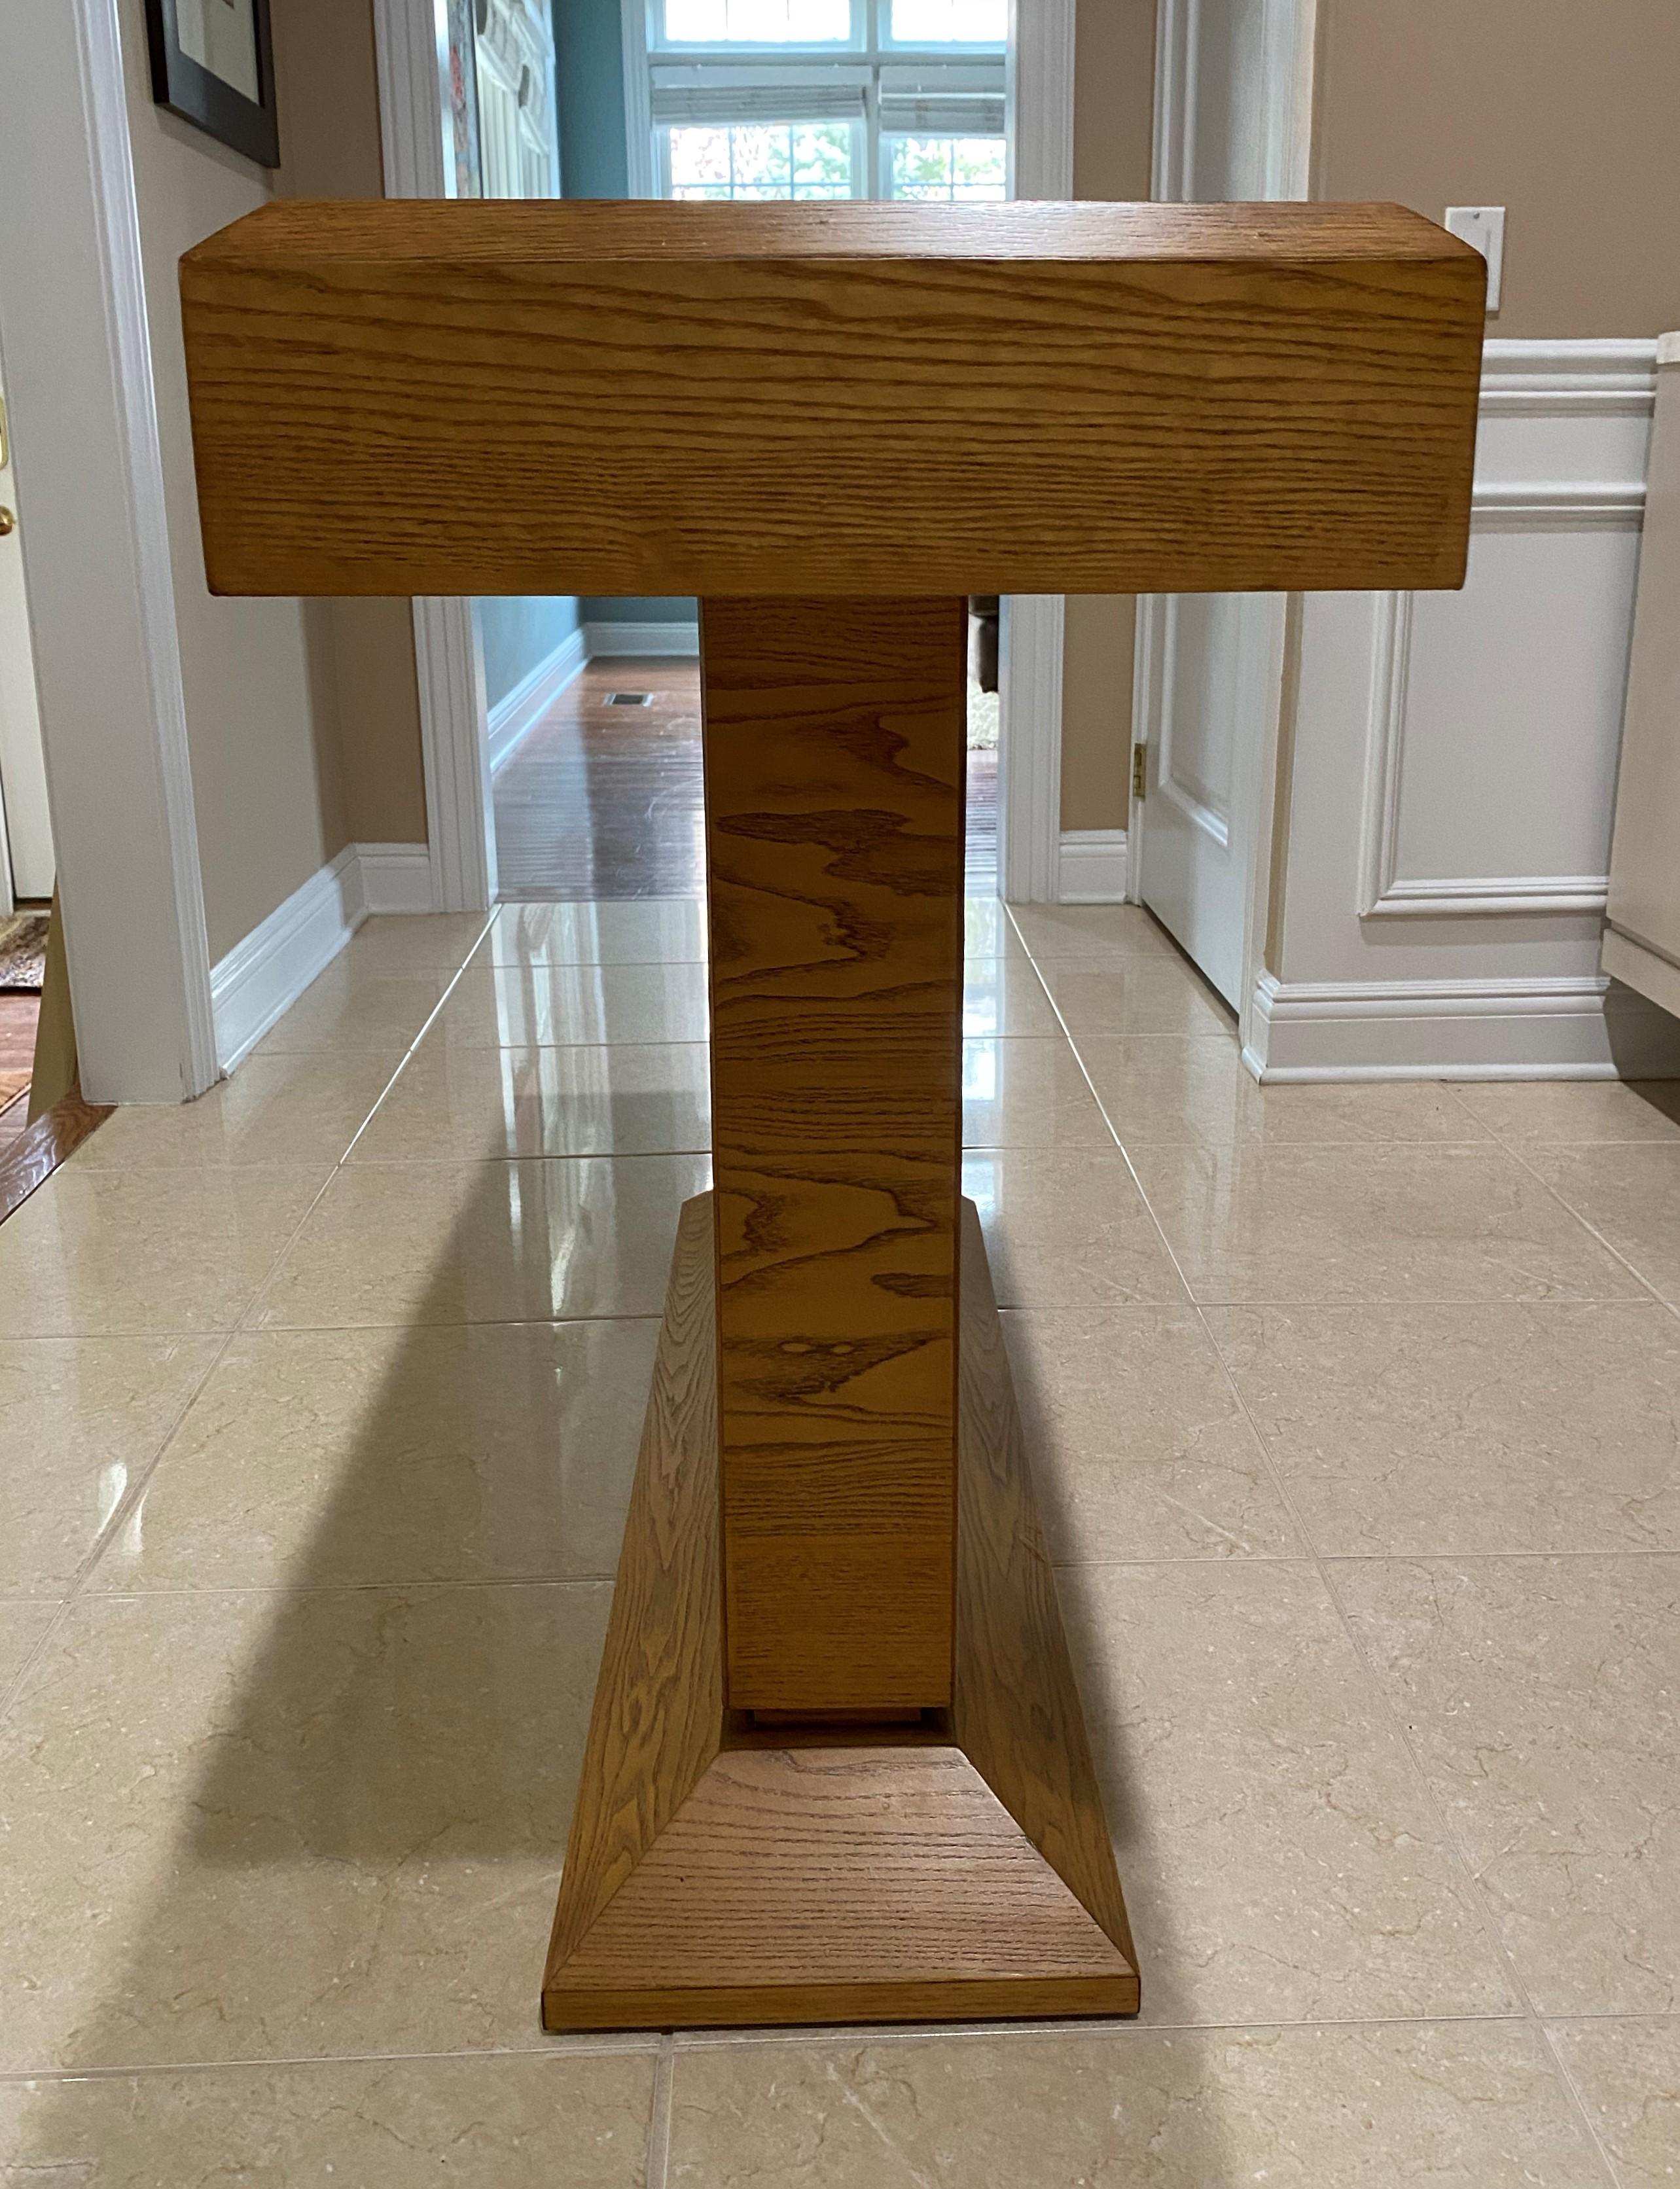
x=8, y=523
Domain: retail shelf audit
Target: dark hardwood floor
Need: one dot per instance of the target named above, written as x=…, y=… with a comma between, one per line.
x=606, y=801
x=18, y=1016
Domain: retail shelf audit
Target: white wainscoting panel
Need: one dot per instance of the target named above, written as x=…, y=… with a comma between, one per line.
x=1091, y=867
x=516, y=714
x=1455, y=761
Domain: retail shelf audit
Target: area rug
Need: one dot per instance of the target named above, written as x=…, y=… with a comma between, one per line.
x=23, y=953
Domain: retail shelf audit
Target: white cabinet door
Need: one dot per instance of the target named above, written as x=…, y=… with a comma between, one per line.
x=28, y=831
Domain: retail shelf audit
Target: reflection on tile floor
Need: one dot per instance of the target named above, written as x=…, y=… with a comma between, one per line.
x=1357, y=1417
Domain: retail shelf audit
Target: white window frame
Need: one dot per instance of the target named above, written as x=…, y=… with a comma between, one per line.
x=870, y=51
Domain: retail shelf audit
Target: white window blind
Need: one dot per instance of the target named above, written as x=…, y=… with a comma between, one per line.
x=824, y=98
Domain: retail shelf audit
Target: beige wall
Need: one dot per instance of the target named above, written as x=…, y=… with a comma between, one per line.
x=1114, y=98
x=1561, y=110
x=328, y=89
x=303, y=718
x=262, y=727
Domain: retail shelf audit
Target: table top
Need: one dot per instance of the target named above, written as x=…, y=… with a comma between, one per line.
x=838, y=399
x=541, y=231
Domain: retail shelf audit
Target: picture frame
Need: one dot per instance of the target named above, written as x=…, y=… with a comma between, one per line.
x=212, y=63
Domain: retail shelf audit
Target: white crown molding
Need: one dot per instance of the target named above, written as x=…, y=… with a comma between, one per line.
x=518, y=712
x=647, y=642
x=1564, y=1028
x=1091, y=867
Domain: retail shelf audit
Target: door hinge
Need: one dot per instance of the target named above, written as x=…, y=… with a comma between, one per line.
x=1139, y=771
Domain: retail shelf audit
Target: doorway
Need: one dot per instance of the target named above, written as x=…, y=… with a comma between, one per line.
x=600, y=793
x=1233, y=102
x=949, y=100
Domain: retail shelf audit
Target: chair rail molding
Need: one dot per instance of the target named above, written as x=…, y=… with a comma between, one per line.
x=84, y=412
x=412, y=44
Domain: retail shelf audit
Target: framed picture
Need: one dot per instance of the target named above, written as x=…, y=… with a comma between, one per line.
x=212, y=63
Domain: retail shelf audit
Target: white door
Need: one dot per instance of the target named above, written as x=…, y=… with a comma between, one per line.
x=26, y=831
x=1233, y=86
x=1211, y=664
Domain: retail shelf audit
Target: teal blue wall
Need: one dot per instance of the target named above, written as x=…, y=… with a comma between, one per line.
x=589, y=54
x=517, y=635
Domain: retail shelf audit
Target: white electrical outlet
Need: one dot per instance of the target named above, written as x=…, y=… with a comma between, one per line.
x=1483, y=228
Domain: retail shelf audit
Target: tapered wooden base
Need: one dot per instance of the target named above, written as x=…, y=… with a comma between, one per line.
x=720, y=1871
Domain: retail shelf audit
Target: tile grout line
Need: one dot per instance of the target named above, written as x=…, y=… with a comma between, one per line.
x=633, y=2045
x=1515, y=1150
x=135, y=1491
x=1449, y=1838
x=625, y=2045
x=658, y=2164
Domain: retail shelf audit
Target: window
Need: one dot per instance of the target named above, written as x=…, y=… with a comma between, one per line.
x=827, y=98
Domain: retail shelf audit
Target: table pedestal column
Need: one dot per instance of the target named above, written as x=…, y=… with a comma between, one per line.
x=837, y=1770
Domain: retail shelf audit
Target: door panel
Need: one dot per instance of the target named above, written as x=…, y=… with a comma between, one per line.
x=1217, y=655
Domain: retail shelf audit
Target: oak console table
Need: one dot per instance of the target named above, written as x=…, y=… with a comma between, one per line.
x=837, y=1769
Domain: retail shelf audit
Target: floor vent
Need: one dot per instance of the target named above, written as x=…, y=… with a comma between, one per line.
x=629, y=699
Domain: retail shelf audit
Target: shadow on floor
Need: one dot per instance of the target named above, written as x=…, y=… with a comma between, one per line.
x=369, y=1832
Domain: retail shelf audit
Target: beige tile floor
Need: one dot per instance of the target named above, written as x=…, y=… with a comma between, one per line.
x=1357, y=1417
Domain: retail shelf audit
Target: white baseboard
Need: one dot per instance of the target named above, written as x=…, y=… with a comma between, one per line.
x=262, y=977
x=1091, y=867
x=650, y=641
x=264, y=974
x=516, y=714
x=395, y=877
x=1517, y=1029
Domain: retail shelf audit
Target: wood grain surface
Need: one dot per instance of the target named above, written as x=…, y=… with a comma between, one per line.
x=1016, y=1713
x=658, y=1703
x=718, y=1873
x=29, y=1159
x=594, y=397
x=833, y=756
